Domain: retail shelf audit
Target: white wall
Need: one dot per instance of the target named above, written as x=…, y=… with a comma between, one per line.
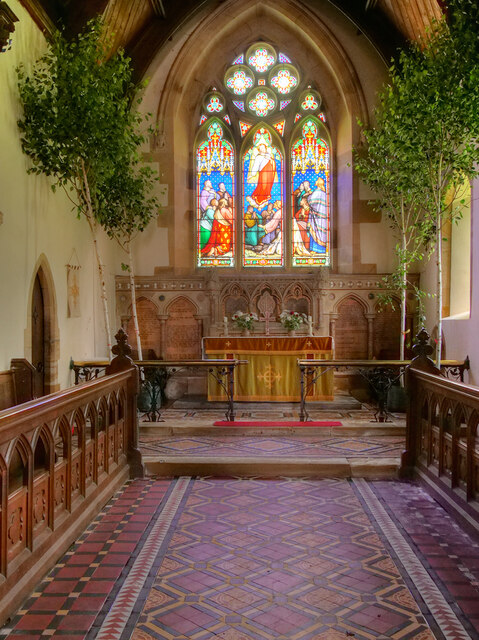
x=37, y=222
x=460, y=334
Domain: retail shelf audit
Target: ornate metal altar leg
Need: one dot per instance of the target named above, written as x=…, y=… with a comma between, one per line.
x=380, y=380
x=303, y=414
x=219, y=373
x=230, y=414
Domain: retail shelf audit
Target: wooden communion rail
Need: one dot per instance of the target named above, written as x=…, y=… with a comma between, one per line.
x=442, y=437
x=61, y=458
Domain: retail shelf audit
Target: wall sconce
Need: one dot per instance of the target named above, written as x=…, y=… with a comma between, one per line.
x=7, y=26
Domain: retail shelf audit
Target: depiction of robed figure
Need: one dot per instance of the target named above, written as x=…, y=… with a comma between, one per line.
x=262, y=172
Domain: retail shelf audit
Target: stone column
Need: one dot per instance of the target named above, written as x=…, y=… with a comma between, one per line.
x=162, y=320
x=332, y=324
x=370, y=318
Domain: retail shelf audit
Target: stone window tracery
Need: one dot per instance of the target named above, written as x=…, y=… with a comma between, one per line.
x=281, y=216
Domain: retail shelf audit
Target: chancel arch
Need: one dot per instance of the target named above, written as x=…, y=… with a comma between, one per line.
x=205, y=52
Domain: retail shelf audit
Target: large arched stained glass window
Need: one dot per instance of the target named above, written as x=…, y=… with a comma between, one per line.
x=215, y=188
x=310, y=189
x=263, y=202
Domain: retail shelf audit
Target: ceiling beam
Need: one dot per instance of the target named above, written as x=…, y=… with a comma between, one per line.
x=158, y=8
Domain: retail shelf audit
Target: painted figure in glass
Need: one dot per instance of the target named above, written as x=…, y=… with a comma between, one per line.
x=215, y=199
x=310, y=198
x=263, y=202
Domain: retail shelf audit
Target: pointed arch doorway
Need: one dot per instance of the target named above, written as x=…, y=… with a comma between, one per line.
x=43, y=333
x=38, y=338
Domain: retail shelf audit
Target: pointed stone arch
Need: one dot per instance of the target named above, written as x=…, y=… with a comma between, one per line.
x=298, y=297
x=234, y=297
x=351, y=329
x=150, y=329
x=219, y=35
x=182, y=330
x=42, y=274
x=387, y=330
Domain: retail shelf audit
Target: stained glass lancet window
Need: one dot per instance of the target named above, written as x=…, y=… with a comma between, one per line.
x=215, y=188
x=310, y=189
x=263, y=202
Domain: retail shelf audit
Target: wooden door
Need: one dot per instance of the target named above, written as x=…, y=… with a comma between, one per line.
x=38, y=339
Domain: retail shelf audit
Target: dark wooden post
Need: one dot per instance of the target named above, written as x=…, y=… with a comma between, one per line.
x=422, y=351
x=122, y=362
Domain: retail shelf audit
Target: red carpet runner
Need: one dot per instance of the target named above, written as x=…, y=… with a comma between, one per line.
x=276, y=423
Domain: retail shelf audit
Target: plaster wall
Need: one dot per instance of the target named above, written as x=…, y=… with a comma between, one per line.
x=460, y=334
x=40, y=227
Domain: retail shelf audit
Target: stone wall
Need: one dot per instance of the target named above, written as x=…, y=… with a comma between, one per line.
x=175, y=313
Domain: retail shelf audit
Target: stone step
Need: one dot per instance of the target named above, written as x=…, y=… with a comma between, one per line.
x=361, y=429
x=339, y=467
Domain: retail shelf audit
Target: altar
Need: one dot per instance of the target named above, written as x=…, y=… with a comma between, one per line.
x=272, y=373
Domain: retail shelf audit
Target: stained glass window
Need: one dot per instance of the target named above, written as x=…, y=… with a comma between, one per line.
x=279, y=126
x=239, y=80
x=261, y=59
x=263, y=202
x=238, y=104
x=215, y=189
x=310, y=188
x=244, y=127
x=261, y=102
x=270, y=103
x=214, y=105
x=284, y=81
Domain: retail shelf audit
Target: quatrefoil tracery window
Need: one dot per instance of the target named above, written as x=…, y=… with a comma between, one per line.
x=275, y=144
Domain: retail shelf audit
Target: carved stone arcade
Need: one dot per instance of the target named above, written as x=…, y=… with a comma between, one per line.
x=179, y=311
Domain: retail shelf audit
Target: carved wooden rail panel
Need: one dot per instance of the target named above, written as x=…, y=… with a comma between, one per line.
x=61, y=459
x=443, y=435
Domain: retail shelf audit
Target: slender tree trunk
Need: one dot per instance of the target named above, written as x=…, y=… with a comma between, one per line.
x=133, y=303
x=403, y=287
x=103, y=293
x=439, y=289
x=101, y=271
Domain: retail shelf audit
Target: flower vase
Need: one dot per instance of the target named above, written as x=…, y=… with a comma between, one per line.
x=245, y=332
x=291, y=333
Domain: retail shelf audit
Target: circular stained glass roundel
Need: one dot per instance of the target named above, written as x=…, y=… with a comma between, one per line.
x=239, y=79
x=284, y=79
x=261, y=102
x=260, y=57
x=214, y=103
x=309, y=101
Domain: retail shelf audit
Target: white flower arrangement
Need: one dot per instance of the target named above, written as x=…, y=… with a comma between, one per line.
x=291, y=319
x=244, y=320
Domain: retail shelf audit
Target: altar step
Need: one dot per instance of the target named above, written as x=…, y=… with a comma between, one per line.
x=340, y=467
x=341, y=402
x=361, y=450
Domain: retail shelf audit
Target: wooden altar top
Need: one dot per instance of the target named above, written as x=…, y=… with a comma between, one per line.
x=294, y=345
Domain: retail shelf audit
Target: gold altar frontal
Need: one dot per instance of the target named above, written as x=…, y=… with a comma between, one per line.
x=272, y=373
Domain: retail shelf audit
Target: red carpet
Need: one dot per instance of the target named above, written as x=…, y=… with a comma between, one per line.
x=276, y=423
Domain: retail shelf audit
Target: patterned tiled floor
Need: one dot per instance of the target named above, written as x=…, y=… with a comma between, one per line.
x=251, y=559
x=288, y=447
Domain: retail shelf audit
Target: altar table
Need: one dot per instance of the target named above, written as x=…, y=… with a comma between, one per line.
x=272, y=373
